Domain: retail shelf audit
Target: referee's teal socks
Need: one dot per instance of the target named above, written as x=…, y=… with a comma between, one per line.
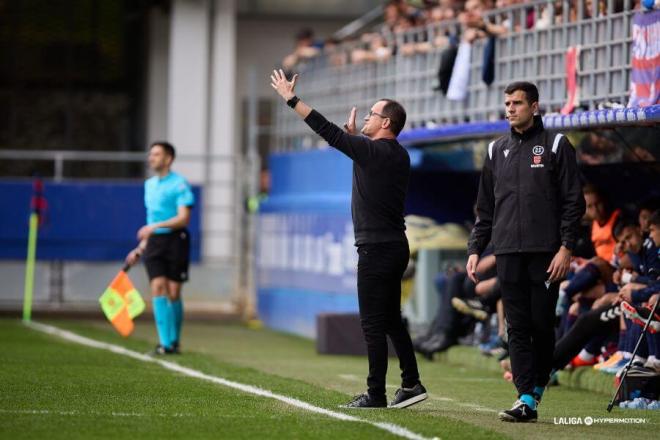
x=177, y=315
x=164, y=320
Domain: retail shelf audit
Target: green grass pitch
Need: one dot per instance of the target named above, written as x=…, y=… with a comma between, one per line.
x=52, y=388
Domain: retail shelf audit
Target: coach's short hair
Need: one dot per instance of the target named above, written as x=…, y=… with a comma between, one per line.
x=166, y=146
x=531, y=92
x=396, y=113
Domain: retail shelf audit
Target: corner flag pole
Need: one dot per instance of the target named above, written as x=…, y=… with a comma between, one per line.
x=37, y=203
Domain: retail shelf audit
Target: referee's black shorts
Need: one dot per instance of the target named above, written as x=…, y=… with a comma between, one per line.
x=168, y=255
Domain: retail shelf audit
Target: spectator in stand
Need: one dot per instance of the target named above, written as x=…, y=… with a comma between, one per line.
x=473, y=24
x=374, y=49
x=434, y=15
x=305, y=49
x=336, y=56
x=391, y=15
x=405, y=34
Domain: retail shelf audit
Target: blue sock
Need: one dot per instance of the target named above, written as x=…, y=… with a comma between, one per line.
x=583, y=280
x=177, y=312
x=643, y=350
x=621, y=345
x=626, y=338
x=162, y=317
x=528, y=399
x=539, y=391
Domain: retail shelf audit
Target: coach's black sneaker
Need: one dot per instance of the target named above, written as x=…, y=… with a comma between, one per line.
x=366, y=401
x=520, y=412
x=160, y=350
x=408, y=396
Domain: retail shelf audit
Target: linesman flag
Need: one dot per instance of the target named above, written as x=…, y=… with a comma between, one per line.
x=121, y=302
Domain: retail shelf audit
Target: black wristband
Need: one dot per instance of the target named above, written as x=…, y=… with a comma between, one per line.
x=293, y=101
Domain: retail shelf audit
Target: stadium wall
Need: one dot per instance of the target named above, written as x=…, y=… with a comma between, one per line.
x=83, y=221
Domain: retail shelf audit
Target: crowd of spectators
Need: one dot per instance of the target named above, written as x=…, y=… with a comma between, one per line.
x=411, y=27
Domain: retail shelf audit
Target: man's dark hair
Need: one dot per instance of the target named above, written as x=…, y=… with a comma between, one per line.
x=396, y=113
x=649, y=204
x=531, y=92
x=166, y=146
x=622, y=223
x=305, y=34
x=655, y=219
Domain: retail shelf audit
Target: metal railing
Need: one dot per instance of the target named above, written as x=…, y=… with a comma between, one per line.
x=222, y=178
x=534, y=54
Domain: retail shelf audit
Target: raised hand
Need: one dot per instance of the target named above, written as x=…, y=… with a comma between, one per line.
x=284, y=87
x=349, y=126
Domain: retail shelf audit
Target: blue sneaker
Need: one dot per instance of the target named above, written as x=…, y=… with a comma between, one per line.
x=615, y=368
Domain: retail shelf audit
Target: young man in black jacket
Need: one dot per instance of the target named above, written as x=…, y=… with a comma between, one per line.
x=381, y=170
x=530, y=204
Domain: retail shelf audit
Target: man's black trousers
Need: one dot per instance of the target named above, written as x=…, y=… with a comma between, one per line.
x=529, y=307
x=380, y=268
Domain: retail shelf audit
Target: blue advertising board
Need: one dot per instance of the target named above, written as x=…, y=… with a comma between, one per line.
x=84, y=221
x=306, y=261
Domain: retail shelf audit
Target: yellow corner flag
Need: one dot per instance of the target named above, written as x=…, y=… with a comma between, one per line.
x=121, y=302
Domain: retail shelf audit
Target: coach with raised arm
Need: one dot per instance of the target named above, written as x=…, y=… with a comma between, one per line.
x=381, y=170
x=529, y=204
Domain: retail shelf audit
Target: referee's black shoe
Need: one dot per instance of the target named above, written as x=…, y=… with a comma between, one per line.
x=160, y=350
x=408, y=396
x=366, y=401
x=520, y=413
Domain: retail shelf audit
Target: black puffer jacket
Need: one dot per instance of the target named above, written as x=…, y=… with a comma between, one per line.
x=530, y=197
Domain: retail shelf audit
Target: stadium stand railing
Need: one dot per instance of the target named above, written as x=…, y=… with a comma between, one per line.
x=537, y=54
x=74, y=263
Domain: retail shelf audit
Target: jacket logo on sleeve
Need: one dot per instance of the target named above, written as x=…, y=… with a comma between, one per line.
x=538, y=158
x=506, y=152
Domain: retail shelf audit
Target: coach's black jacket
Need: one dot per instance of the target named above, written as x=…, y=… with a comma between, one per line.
x=530, y=198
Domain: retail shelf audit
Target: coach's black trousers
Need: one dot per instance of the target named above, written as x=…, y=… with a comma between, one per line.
x=529, y=307
x=380, y=268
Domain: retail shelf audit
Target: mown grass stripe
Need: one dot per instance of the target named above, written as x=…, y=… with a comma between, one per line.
x=251, y=389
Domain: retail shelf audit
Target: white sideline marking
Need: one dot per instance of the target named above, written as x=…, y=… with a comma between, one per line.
x=95, y=413
x=73, y=337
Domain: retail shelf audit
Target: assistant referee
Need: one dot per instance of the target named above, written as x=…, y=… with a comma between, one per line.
x=381, y=170
x=165, y=243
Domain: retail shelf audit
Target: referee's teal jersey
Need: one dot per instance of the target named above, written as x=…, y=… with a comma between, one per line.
x=163, y=196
